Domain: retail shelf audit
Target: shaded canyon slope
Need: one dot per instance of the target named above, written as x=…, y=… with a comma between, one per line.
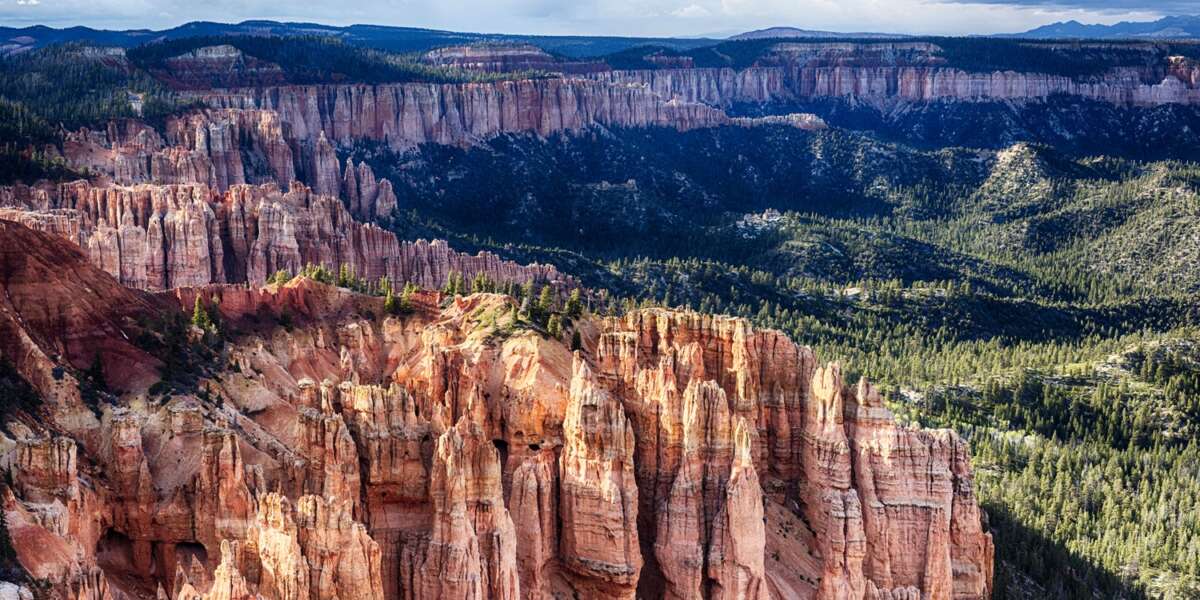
x=453, y=453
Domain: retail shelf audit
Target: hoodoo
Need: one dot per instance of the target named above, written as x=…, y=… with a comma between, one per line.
x=454, y=453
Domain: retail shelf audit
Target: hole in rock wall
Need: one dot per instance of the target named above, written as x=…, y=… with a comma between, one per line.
x=502, y=448
x=127, y=576
x=115, y=551
x=184, y=551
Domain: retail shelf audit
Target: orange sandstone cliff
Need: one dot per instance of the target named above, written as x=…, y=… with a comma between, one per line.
x=325, y=450
x=162, y=236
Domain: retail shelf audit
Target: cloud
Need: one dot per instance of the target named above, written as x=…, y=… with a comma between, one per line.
x=691, y=11
x=28, y=2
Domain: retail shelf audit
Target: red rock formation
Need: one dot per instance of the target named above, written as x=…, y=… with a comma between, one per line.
x=366, y=197
x=223, y=505
x=212, y=147
x=409, y=114
x=534, y=507
x=167, y=236
x=598, y=501
x=472, y=548
x=222, y=149
x=344, y=562
x=676, y=455
x=230, y=140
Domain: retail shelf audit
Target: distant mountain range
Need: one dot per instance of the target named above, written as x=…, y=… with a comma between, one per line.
x=1167, y=28
x=1180, y=27
x=412, y=39
x=396, y=39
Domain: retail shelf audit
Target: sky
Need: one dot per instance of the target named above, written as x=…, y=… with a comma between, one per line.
x=606, y=17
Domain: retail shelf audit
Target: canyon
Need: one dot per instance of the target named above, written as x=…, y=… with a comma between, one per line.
x=455, y=453
x=315, y=318
x=316, y=444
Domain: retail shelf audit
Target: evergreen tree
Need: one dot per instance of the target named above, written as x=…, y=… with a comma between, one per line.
x=390, y=305
x=545, y=302
x=554, y=326
x=406, y=298
x=200, y=317
x=574, y=306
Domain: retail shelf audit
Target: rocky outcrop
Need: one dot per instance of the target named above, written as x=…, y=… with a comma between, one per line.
x=215, y=148
x=710, y=86
x=225, y=148
x=599, y=499
x=506, y=58
x=890, y=73
x=453, y=453
x=366, y=197
x=472, y=548
x=169, y=236
x=889, y=85
x=533, y=504
x=217, y=66
x=409, y=114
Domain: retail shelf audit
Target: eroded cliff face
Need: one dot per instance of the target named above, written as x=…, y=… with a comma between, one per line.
x=224, y=148
x=404, y=115
x=452, y=453
x=895, y=73
x=681, y=97
x=153, y=236
x=890, y=85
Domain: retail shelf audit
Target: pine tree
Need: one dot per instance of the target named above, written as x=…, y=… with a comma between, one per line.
x=214, y=313
x=545, y=301
x=554, y=326
x=574, y=304
x=406, y=298
x=576, y=341
x=390, y=306
x=200, y=316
